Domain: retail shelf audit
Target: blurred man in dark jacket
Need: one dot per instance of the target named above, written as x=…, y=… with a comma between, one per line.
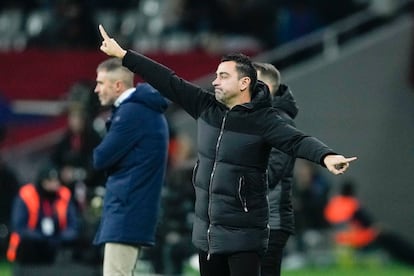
x=43, y=218
x=9, y=183
x=280, y=173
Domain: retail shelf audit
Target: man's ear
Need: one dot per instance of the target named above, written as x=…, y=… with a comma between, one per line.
x=244, y=83
x=119, y=86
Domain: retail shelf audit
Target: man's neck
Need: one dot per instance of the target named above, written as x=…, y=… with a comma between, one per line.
x=244, y=98
x=123, y=96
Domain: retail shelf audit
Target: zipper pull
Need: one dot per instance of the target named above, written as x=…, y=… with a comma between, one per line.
x=208, y=257
x=245, y=206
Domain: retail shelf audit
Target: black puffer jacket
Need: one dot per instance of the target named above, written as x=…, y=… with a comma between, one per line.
x=230, y=179
x=281, y=168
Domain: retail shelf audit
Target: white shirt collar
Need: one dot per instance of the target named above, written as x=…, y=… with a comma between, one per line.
x=124, y=96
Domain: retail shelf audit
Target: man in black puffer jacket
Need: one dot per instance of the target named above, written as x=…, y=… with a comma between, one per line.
x=280, y=174
x=237, y=127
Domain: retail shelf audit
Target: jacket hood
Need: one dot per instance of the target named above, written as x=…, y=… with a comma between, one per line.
x=261, y=97
x=150, y=97
x=285, y=101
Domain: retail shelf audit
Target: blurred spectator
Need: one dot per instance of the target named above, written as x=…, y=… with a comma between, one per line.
x=73, y=153
x=8, y=189
x=311, y=190
x=9, y=184
x=5, y=114
x=180, y=150
x=88, y=201
x=356, y=228
x=43, y=219
x=81, y=96
x=173, y=247
x=173, y=240
x=75, y=148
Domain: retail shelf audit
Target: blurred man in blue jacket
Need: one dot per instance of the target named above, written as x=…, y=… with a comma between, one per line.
x=134, y=155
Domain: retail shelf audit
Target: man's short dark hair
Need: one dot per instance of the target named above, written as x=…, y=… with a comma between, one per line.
x=244, y=67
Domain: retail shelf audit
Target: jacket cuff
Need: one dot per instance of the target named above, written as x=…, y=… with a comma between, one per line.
x=323, y=157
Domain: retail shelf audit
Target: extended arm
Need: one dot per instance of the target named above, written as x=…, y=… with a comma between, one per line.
x=190, y=97
x=295, y=143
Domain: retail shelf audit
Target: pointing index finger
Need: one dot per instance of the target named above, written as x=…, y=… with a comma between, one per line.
x=104, y=35
x=351, y=159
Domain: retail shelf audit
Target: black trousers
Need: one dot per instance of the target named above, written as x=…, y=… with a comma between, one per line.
x=272, y=260
x=235, y=264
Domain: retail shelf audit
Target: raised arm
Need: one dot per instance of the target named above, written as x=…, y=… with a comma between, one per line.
x=189, y=96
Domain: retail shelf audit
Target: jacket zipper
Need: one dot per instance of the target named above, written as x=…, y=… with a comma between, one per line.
x=211, y=181
x=242, y=198
x=194, y=173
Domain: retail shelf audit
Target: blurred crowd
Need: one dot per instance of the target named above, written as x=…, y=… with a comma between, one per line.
x=175, y=25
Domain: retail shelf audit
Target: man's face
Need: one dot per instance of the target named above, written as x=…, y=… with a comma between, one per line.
x=227, y=86
x=76, y=121
x=51, y=184
x=106, y=88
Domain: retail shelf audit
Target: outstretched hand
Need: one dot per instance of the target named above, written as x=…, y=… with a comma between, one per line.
x=337, y=164
x=110, y=46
